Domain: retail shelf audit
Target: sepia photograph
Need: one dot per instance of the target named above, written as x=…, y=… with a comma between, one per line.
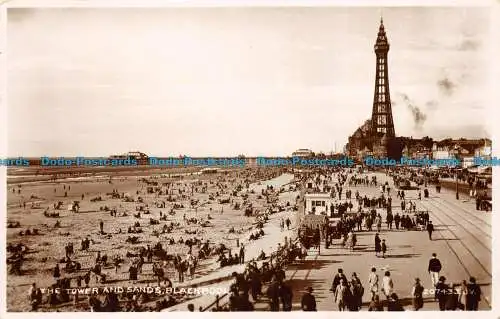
x=220, y=159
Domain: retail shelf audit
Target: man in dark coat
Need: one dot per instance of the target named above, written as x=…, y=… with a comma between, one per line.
x=308, y=302
x=357, y=292
x=57, y=272
x=474, y=295
x=430, y=229
x=417, y=293
x=286, y=296
x=434, y=268
x=132, y=273
x=397, y=220
x=242, y=254
x=441, y=294
x=242, y=283
x=255, y=283
x=234, y=299
x=378, y=247
x=452, y=301
x=273, y=293
x=389, y=219
x=336, y=280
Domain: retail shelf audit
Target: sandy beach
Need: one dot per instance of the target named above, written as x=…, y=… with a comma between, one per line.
x=189, y=200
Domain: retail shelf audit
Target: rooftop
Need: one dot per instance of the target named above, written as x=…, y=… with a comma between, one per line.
x=317, y=195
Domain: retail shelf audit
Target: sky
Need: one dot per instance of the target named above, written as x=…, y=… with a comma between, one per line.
x=230, y=81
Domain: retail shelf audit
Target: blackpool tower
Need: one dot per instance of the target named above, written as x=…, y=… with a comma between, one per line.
x=382, y=123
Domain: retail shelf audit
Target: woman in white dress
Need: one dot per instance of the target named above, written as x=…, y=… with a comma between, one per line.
x=373, y=282
x=387, y=285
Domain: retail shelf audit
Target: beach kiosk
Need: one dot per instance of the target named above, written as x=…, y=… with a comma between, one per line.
x=311, y=231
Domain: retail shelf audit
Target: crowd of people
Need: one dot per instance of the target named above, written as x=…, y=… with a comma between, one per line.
x=367, y=217
x=264, y=277
x=165, y=264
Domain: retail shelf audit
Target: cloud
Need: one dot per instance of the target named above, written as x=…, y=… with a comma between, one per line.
x=446, y=86
x=419, y=117
x=469, y=45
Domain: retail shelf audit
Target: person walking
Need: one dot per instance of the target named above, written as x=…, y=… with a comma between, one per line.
x=417, y=295
x=369, y=223
x=336, y=280
x=341, y=296
x=350, y=240
x=430, y=229
x=308, y=302
x=359, y=221
x=378, y=222
x=384, y=248
x=373, y=282
x=378, y=247
x=473, y=295
x=441, y=294
x=357, y=292
x=273, y=295
x=132, y=273
x=462, y=295
x=387, y=285
x=434, y=268
x=389, y=220
x=286, y=296
x=452, y=299
x=242, y=254
x=397, y=220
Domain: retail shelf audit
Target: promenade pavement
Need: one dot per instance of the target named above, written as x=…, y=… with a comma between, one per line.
x=462, y=242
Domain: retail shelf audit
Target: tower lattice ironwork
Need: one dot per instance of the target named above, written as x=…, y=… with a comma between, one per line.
x=382, y=122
